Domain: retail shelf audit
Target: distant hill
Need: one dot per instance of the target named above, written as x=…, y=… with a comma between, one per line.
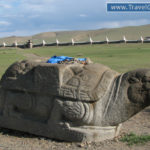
x=131, y=33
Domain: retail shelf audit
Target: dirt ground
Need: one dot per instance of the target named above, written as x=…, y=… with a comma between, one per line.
x=15, y=140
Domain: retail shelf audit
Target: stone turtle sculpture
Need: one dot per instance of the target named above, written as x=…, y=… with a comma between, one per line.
x=71, y=102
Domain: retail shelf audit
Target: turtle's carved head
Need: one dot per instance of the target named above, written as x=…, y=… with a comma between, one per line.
x=139, y=87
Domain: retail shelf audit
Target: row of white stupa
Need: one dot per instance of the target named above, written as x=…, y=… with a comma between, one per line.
x=73, y=42
x=91, y=40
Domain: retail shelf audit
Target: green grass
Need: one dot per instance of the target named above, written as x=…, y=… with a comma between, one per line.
x=120, y=57
x=7, y=57
x=132, y=139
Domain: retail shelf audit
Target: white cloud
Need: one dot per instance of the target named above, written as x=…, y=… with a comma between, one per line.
x=4, y=23
x=38, y=1
x=38, y=5
x=83, y=15
x=5, y=6
x=116, y=24
x=11, y=15
x=34, y=16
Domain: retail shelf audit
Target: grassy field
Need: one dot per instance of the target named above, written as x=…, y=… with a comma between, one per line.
x=120, y=57
x=7, y=57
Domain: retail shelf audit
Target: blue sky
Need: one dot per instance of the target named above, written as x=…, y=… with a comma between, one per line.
x=28, y=17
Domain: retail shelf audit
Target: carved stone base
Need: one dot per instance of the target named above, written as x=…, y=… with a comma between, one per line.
x=61, y=131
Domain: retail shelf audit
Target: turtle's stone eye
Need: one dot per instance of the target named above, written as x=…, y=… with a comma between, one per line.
x=133, y=80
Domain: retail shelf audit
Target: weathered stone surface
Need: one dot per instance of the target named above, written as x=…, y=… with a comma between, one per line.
x=71, y=102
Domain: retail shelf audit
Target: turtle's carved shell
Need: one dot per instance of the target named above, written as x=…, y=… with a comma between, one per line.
x=90, y=84
x=78, y=82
